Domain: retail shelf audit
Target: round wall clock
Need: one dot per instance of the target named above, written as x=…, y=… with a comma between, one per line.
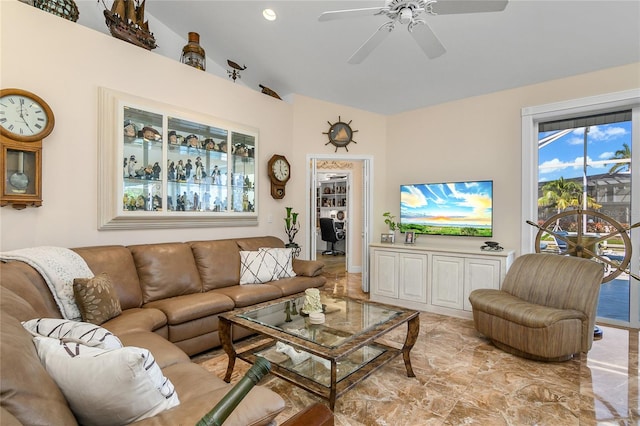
x=279, y=171
x=24, y=117
x=340, y=134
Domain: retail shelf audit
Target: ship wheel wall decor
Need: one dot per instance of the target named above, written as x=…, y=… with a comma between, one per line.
x=589, y=245
x=340, y=134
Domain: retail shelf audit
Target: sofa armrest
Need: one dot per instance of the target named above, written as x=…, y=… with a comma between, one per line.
x=307, y=268
x=314, y=415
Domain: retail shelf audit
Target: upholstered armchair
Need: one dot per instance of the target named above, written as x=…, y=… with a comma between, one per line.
x=546, y=309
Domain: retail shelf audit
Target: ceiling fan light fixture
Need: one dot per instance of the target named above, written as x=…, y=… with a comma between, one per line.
x=269, y=14
x=406, y=15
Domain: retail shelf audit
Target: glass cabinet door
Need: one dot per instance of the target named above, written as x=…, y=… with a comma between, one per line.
x=243, y=174
x=197, y=164
x=142, y=151
x=163, y=168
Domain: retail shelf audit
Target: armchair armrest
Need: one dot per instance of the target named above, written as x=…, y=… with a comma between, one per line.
x=307, y=268
x=314, y=415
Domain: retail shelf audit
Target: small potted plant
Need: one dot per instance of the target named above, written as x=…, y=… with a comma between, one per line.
x=390, y=220
x=291, y=226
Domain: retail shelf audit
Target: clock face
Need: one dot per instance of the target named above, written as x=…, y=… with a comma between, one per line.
x=280, y=169
x=23, y=116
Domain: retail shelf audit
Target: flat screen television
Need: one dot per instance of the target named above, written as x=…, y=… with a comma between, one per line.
x=448, y=208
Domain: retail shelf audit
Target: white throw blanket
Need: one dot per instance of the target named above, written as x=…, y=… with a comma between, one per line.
x=58, y=266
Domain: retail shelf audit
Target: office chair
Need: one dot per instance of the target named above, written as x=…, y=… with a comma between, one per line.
x=331, y=234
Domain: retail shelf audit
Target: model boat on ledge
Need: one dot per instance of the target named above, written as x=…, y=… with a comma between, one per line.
x=126, y=21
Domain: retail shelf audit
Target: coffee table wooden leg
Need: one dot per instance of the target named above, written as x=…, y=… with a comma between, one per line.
x=224, y=331
x=413, y=329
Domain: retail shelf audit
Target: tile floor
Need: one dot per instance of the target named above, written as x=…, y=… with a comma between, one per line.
x=462, y=379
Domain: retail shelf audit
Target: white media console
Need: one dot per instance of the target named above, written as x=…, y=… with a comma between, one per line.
x=434, y=279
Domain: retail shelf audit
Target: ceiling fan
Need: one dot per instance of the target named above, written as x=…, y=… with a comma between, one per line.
x=409, y=12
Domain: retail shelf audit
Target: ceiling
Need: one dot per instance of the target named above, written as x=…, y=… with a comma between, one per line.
x=528, y=42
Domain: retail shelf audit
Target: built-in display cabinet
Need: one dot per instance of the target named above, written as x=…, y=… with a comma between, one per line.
x=162, y=167
x=434, y=279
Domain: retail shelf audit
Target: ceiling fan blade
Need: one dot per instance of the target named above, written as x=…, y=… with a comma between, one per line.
x=373, y=41
x=450, y=7
x=348, y=13
x=427, y=40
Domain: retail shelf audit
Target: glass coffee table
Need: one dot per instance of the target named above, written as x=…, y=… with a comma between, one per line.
x=331, y=357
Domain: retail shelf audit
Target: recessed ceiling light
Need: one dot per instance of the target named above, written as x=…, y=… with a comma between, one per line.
x=269, y=14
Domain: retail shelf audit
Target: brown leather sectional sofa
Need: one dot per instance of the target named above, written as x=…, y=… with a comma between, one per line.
x=171, y=295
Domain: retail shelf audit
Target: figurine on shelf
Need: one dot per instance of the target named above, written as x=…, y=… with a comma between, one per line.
x=130, y=129
x=206, y=198
x=196, y=201
x=188, y=167
x=180, y=176
x=148, y=172
x=171, y=167
x=173, y=138
x=157, y=202
x=210, y=145
x=223, y=146
x=156, y=170
x=199, y=169
x=140, y=202
x=125, y=167
x=245, y=202
x=182, y=200
x=193, y=142
x=132, y=166
x=216, y=175
x=149, y=133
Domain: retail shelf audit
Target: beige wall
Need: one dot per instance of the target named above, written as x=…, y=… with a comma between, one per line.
x=480, y=138
x=469, y=139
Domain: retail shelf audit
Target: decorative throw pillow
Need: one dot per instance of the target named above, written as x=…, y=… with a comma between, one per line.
x=113, y=387
x=96, y=298
x=256, y=267
x=73, y=331
x=283, y=258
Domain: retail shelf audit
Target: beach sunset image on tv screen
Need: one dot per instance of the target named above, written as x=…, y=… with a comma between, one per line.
x=450, y=208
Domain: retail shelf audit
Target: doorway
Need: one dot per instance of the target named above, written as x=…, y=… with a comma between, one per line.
x=348, y=202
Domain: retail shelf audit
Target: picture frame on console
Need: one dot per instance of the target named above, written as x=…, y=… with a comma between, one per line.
x=409, y=237
x=387, y=238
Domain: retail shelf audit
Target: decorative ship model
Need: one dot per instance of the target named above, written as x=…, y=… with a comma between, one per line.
x=126, y=22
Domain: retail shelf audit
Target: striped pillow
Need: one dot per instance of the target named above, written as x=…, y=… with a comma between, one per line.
x=73, y=331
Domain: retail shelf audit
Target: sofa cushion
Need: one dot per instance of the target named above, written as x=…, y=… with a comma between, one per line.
x=73, y=331
x=250, y=294
x=257, y=267
x=26, y=389
x=192, y=306
x=298, y=284
x=165, y=352
x=113, y=387
x=254, y=243
x=137, y=319
x=117, y=262
x=218, y=263
x=200, y=390
x=96, y=298
x=166, y=270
